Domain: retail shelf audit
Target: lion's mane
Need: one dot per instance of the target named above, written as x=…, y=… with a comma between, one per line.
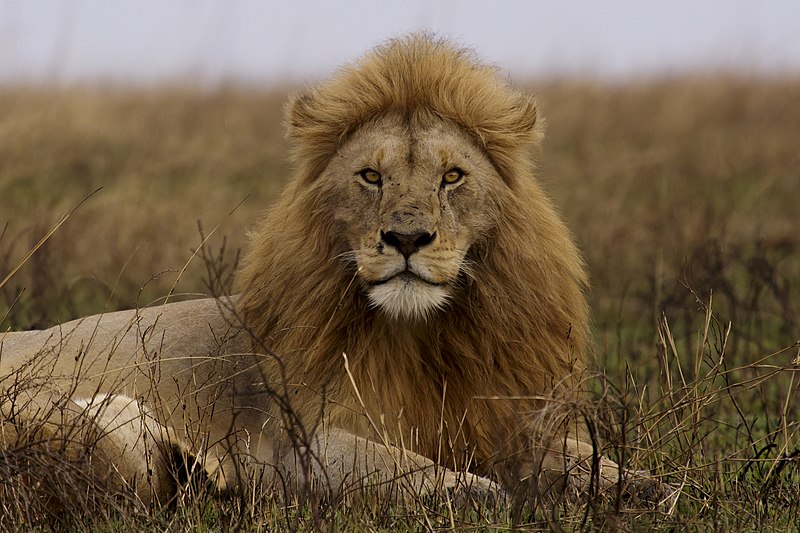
x=517, y=327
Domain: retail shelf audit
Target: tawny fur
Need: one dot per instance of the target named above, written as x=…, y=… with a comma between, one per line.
x=518, y=327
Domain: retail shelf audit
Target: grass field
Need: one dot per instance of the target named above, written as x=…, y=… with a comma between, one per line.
x=683, y=193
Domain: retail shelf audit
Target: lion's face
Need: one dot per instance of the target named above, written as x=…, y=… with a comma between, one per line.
x=410, y=200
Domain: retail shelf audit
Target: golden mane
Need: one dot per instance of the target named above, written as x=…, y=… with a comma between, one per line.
x=409, y=75
x=517, y=327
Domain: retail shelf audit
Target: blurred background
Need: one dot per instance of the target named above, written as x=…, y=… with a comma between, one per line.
x=149, y=42
x=671, y=149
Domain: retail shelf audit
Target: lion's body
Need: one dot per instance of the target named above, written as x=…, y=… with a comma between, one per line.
x=171, y=363
x=413, y=286
x=516, y=326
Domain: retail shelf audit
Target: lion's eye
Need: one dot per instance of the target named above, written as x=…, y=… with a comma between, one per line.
x=452, y=176
x=373, y=177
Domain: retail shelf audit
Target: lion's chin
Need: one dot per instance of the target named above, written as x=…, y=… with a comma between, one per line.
x=405, y=298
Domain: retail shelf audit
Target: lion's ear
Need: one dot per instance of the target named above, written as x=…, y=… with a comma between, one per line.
x=299, y=114
x=313, y=133
x=527, y=123
x=516, y=121
x=510, y=131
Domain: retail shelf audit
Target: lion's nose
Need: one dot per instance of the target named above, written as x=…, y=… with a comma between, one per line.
x=405, y=243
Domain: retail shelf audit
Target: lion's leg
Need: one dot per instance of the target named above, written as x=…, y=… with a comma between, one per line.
x=576, y=466
x=133, y=446
x=103, y=445
x=344, y=463
x=574, y=463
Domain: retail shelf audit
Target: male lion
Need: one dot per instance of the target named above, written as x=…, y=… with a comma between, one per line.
x=410, y=303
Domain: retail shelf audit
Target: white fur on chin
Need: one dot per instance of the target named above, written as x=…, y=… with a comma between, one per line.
x=402, y=298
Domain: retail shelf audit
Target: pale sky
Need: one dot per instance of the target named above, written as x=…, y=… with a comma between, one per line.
x=209, y=41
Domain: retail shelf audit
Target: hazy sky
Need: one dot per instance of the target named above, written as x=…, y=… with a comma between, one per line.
x=151, y=41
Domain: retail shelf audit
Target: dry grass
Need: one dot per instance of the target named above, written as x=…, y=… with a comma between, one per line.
x=683, y=194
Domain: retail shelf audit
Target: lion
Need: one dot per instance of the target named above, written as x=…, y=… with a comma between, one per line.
x=407, y=312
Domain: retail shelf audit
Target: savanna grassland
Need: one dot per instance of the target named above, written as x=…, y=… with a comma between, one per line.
x=683, y=193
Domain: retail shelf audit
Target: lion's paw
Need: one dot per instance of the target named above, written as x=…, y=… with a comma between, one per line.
x=644, y=490
x=475, y=491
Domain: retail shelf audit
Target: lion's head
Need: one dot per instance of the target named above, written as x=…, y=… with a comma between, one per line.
x=410, y=196
x=414, y=237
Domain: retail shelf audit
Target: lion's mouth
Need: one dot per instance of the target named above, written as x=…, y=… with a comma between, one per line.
x=405, y=276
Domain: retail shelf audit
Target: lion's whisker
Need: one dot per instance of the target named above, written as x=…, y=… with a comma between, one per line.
x=348, y=257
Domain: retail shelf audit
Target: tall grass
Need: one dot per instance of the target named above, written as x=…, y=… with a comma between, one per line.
x=682, y=193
